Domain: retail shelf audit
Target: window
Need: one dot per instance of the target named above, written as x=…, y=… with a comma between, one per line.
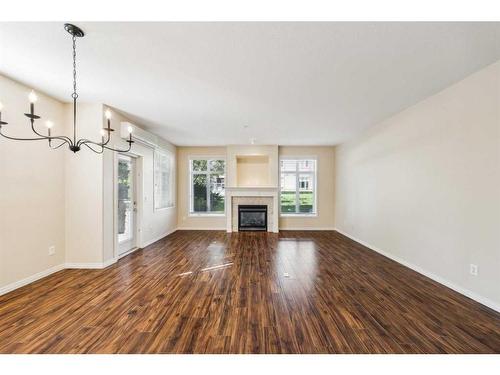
x=207, y=186
x=297, y=183
x=163, y=179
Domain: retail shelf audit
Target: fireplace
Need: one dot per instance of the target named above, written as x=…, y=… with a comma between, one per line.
x=252, y=218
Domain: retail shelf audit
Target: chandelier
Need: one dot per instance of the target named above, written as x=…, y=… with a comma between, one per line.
x=57, y=141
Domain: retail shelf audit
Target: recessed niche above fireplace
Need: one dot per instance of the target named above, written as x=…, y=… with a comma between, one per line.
x=252, y=218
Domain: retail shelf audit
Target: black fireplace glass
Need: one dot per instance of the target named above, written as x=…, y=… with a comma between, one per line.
x=252, y=218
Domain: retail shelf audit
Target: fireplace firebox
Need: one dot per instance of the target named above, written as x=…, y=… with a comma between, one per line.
x=252, y=218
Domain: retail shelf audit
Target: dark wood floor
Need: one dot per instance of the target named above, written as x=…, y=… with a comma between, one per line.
x=210, y=292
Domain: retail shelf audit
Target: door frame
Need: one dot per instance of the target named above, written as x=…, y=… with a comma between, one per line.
x=138, y=185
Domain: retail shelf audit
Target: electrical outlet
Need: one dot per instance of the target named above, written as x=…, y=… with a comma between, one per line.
x=473, y=269
x=52, y=250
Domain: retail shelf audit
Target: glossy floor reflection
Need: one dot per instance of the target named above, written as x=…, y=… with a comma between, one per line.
x=212, y=292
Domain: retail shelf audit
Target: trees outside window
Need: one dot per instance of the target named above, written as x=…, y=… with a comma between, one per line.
x=207, y=185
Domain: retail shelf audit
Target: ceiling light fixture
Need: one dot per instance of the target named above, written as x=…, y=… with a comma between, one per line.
x=74, y=144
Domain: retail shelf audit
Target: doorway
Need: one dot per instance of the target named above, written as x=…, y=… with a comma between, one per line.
x=127, y=204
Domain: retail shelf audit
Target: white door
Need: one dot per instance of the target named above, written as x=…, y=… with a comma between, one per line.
x=127, y=204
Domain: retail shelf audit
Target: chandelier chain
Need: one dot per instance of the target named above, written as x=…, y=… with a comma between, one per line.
x=74, y=95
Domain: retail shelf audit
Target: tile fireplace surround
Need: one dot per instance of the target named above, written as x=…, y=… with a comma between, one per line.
x=252, y=196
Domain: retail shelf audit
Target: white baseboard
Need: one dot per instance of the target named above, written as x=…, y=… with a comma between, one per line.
x=308, y=228
x=472, y=295
x=109, y=262
x=205, y=228
x=147, y=243
x=28, y=280
x=88, y=266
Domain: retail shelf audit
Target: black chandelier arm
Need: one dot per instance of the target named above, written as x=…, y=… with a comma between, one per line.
x=92, y=149
x=63, y=142
x=59, y=137
x=118, y=150
x=84, y=140
x=21, y=139
x=87, y=142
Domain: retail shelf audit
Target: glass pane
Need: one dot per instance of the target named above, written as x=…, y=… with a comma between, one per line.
x=163, y=180
x=306, y=193
x=288, y=182
x=199, y=193
x=288, y=165
x=306, y=165
x=306, y=200
x=288, y=192
x=217, y=192
x=217, y=165
x=288, y=201
x=199, y=165
x=124, y=199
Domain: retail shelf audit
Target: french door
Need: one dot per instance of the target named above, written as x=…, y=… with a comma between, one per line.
x=127, y=204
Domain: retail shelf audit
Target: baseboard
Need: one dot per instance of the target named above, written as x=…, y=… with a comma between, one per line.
x=205, y=228
x=147, y=243
x=28, y=280
x=309, y=228
x=88, y=266
x=472, y=295
x=109, y=262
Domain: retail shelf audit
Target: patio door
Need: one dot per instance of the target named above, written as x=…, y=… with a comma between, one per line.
x=127, y=204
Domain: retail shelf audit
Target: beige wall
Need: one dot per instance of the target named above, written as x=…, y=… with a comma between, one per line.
x=235, y=151
x=84, y=192
x=31, y=189
x=184, y=220
x=325, y=190
x=253, y=171
x=324, y=219
x=424, y=186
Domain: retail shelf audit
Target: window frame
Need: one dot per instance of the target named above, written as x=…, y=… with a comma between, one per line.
x=191, y=212
x=169, y=154
x=297, y=186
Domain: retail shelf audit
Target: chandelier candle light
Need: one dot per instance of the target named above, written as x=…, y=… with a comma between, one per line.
x=73, y=144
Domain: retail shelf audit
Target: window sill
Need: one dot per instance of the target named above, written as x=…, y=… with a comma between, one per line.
x=299, y=215
x=206, y=214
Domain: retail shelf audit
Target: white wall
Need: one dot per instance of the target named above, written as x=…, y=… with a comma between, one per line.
x=31, y=189
x=424, y=186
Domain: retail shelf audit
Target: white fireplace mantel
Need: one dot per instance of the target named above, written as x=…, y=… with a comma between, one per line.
x=252, y=191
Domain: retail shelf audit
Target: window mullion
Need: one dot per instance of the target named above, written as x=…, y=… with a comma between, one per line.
x=209, y=208
x=297, y=188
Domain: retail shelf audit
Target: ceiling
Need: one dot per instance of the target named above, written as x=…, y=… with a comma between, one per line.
x=226, y=83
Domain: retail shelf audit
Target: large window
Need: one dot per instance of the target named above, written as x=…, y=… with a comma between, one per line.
x=207, y=185
x=163, y=179
x=298, y=186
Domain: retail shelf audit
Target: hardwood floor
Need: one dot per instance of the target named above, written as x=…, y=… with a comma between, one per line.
x=210, y=292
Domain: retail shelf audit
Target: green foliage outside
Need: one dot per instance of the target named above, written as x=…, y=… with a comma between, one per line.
x=288, y=200
x=123, y=194
x=200, y=195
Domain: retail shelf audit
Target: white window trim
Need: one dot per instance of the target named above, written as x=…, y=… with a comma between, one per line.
x=173, y=180
x=315, y=174
x=190, y=187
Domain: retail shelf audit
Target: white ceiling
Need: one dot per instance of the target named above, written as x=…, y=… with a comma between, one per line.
x=225, y=83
